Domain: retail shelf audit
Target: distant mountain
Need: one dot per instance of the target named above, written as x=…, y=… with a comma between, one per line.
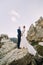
x=14, y=39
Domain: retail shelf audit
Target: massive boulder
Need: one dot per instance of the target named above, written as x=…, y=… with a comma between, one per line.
x=36, y=32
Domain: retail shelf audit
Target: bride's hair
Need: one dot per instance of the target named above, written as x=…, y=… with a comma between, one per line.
x=23, y=26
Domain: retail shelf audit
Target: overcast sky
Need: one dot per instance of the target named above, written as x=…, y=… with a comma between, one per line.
x=14, y=13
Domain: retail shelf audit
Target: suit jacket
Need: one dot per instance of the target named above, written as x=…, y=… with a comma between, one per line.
x=19, y=32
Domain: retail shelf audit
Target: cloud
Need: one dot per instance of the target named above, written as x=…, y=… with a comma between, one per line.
x=14, y=15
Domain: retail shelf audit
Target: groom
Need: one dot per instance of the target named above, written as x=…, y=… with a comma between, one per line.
x=19, y=37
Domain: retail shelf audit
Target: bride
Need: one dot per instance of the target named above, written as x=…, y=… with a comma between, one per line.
x=25, y=44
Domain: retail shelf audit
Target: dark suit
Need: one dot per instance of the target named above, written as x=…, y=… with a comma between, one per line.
x=19, y=37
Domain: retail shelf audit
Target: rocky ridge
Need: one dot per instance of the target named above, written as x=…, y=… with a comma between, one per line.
x=11, y=55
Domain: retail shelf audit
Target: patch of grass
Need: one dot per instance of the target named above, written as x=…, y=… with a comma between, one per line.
x=34, y=43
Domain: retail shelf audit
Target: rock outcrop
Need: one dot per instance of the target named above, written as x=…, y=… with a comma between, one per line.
x=35, y=36
x=3, y=36
x=11, y=55
x=35, y=33
x=16, y=57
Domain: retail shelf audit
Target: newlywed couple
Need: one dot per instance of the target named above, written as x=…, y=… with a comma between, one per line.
x=23, y=43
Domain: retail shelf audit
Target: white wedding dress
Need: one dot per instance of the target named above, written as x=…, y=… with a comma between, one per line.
x=25, y=44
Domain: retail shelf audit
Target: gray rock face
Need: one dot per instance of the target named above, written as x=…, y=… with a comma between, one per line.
x=31, y=33
x=35, y=36
x=11, y=55
x=36, y=32
x=16, y=57
x=7, y=47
